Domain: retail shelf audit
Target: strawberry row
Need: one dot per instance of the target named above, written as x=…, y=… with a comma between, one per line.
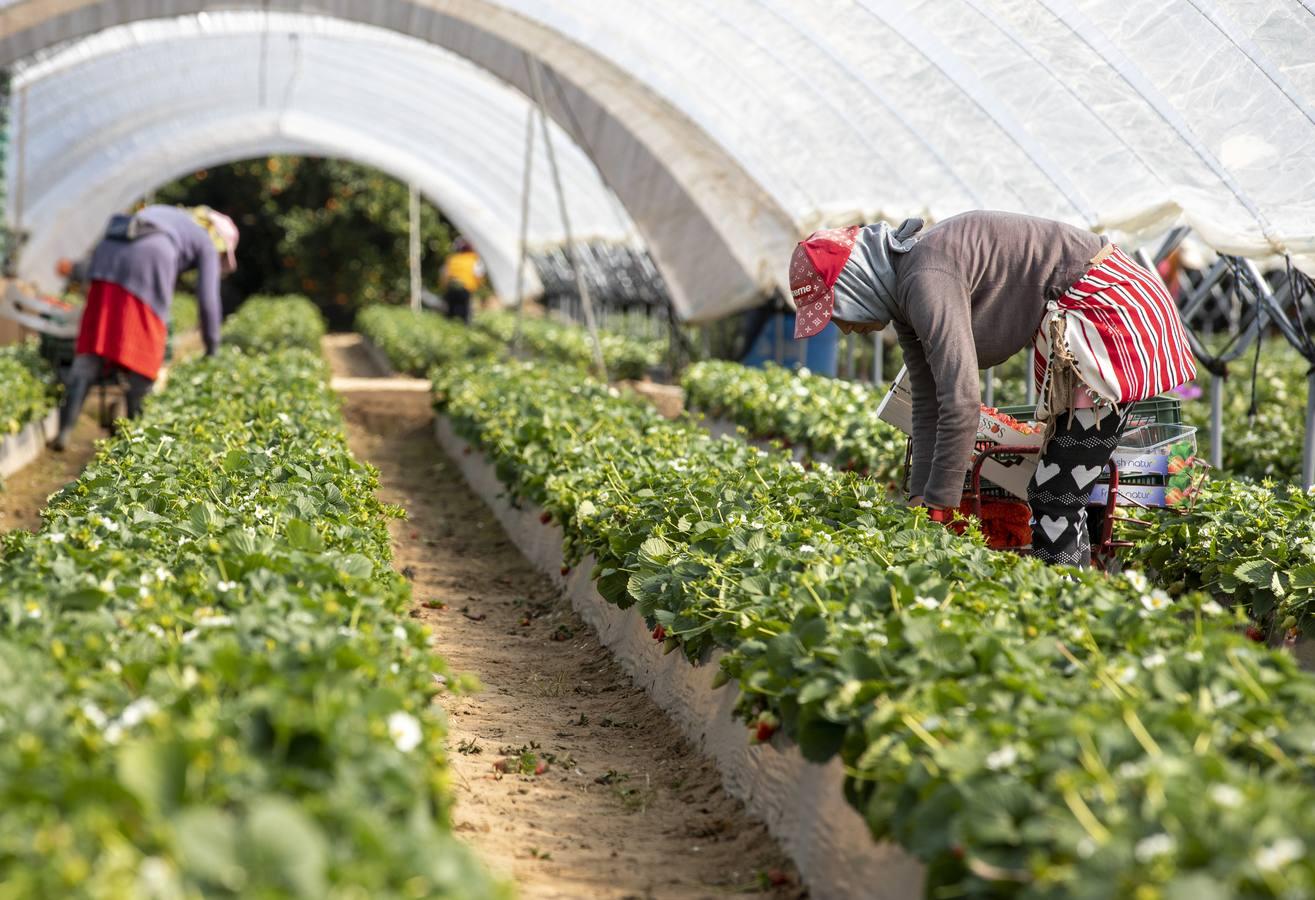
x=828, y=417
x=1023, y=730
x=211, y=683
x=262, y=324
x=1245, y=543
x=28, y=389
x=416, y=342
x=626, y=357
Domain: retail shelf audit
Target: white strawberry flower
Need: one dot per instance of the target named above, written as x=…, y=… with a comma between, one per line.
x=1156, y=601
x=57, y=537
x=94, y=714
x=404, y=729
x=1279, y=854
x=1226, y=795
x=1154, y=661
x=1003, y=758
x=1227, y=698
x=927, y=602
x=138, y=711
x=1152, y=848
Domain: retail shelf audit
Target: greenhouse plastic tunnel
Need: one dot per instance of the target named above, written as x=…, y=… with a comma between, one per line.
x=821, y=115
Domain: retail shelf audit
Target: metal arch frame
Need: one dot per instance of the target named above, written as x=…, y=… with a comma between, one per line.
x=675, y=199
x=467, y=100
x=1263, y=306
x=480, y=232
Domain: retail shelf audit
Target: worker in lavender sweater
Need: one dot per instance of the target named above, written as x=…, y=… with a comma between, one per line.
x=132, y=274
x=969, y=293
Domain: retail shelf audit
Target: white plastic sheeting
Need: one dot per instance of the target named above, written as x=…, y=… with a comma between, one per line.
x=113, y=116
x=731, y=127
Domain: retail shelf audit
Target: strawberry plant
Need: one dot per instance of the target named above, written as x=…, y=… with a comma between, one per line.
x=211, y=684
x=262, y=324
x=28, y=388
x=1268, y=446
x=1025, y=730
x=626, y=357
x=829, y=418
x=416, y=342
x=1253, y=544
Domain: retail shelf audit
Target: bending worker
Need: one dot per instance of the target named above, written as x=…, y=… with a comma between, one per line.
x=132, y=273
x=461, y=277
x=969, y=293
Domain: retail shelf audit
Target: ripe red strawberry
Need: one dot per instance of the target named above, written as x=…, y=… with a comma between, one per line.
x=777, y=877
x=764, y=731
x=1256, y=634
x=957, y=851
x=659, y=634
x=540, y=767
x=466, y=451
x=566, y=570
x=545, y=517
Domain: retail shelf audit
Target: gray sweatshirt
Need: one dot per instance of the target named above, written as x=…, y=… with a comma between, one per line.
x=970, y=295
x=148, y=268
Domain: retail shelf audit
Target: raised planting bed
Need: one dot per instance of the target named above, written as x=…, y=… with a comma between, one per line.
x=263, y=323
x=212, y=686
x=1251, y=545
x=400, y=340
x=825, y=418
x=1021, y=730
x=21, y=449
x=626, y=357
x=802, y=803
x=29, y=394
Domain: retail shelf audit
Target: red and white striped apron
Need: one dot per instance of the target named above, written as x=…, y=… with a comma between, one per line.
x=1118, y=332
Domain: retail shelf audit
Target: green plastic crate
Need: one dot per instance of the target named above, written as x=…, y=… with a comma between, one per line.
x=1161, y=410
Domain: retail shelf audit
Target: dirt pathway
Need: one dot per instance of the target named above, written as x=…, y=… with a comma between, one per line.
x=625, y=808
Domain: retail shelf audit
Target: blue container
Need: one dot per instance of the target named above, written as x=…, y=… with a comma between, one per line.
x=819, y=353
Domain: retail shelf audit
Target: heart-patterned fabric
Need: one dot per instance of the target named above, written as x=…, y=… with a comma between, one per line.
x=1073, y=458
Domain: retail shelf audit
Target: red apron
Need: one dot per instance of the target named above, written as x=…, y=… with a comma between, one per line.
x=122, y=330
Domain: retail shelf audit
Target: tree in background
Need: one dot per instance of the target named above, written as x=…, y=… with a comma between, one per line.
x=333, y=230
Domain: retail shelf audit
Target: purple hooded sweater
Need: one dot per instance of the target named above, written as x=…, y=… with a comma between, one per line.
x=148, y=268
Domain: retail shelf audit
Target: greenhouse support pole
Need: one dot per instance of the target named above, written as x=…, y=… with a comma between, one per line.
x=413, y=255
x=580, y=285
x=526, y=183
x=1308, y=457
x=878, y=359
x=20, y=179
x=1217, y=420
x=850, y=341
x=988, y=391
x=1031, y=389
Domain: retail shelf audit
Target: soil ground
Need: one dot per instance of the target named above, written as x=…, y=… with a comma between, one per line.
x=626, y=807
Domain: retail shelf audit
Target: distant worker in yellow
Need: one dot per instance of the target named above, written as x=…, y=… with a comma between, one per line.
x=461, y=277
